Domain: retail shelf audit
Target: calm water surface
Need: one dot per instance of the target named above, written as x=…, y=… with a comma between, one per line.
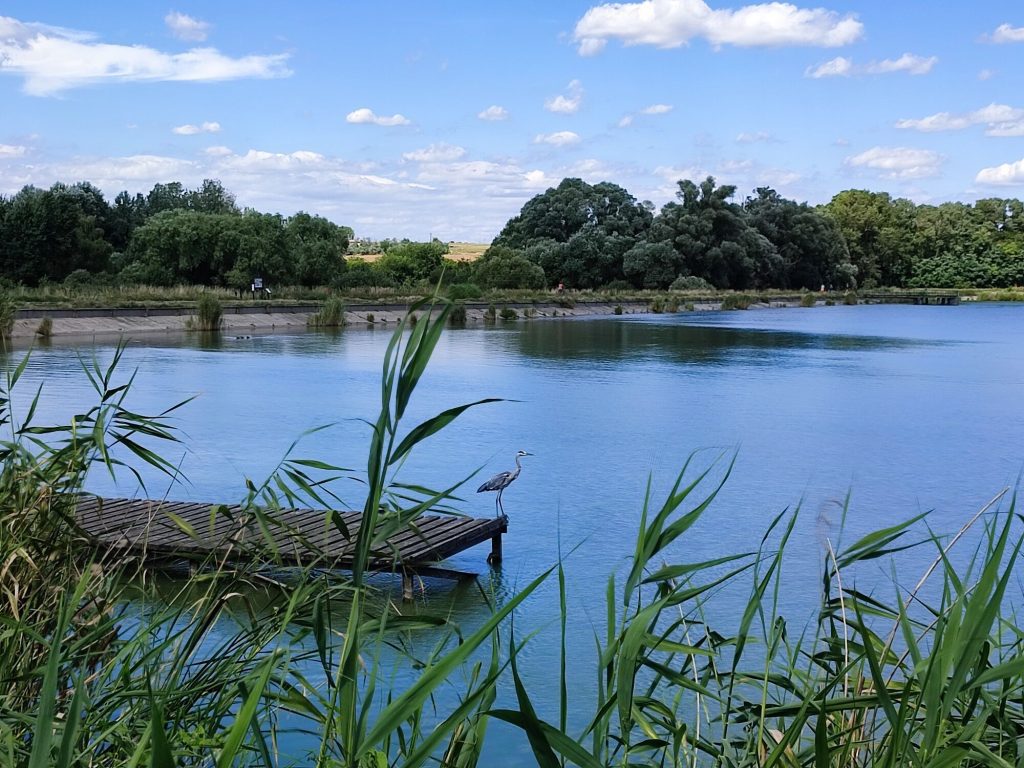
x=910, y=408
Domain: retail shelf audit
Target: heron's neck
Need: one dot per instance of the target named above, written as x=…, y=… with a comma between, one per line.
x=518, y=467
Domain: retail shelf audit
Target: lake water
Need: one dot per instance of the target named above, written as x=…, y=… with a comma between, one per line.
x=909, y=408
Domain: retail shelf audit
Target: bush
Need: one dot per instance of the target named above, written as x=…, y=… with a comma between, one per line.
x=656, y=306
x=331, y=314
x=690, y=283
x=491, y=314
x=618, y=286
x=689, y=306
x=508, y=315
x=45, y=329
x=458, y=314
x=672, y=305
x=737, y=301
x=505, y=268
x=209, y=313
x=565, y=302
x=463, y=291
x=370, y=318
x=850, y=298
x=618, y=309
x=808, y=300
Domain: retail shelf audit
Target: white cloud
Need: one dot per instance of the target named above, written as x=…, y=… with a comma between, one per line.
x=436, y=153
x=840, y=66
x=755, y=137
x=1006, y=174
x=219, y=151
x=898, y=162
x=672, y=23
x=185, y=27
x=367, y=117
x=10, y=150
x=656, y=109
x=493, y=113
x=569, y=102
x=625, y=121
x=558, y=138
x=1006, y=34
x=192, y=130
x=53, y=59
x=844, y=67
x=986, y=74
x=999, y=119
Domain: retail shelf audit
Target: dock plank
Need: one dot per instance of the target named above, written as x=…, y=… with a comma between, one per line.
x=149, y=529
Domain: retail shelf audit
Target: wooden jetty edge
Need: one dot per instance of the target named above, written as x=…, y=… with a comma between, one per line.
x=174, y=530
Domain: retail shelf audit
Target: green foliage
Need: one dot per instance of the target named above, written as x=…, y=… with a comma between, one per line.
x=737, y=301
x=463, y=291
x=505, y=268
x=458, y=314
x=491, y=314
x=508, y=315
x=331, y=315
x=690, y=283
x=657, y=305
x=618, y=309
x=45, y=328
x=409, y=263
x=808, y=300
x=850, y=298
x=8, y=310
x=671, y=304
x=689, y=306
x=209, y=313
x=370, y=318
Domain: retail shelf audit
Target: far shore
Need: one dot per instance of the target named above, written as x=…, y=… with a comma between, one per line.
x=133, y=321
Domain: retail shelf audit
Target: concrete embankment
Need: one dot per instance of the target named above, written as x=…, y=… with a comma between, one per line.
x=134, y=321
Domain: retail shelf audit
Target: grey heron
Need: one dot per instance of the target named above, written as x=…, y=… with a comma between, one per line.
x=501, y=481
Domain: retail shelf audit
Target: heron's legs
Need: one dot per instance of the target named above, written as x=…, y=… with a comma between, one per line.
x=500, y=505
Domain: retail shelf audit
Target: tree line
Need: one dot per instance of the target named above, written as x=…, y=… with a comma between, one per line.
x=576, y=234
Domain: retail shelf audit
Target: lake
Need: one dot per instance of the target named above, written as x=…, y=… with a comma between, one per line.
x=907, y=408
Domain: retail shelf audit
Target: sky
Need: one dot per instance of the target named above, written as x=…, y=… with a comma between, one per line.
x=413, y=119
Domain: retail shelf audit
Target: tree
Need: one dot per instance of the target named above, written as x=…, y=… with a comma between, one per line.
x=317, y=248
x=652, y=265
x=502, y=267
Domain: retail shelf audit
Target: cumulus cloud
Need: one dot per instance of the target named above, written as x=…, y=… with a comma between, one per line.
x=54, y=59
x=191, y=130
x=569, y=102
x=999, y=119
x=672, y=23
x=1007, y=34
x=493, y=113
x=366, y=116
x=557, y=139
x=185, y=27
x=1007, y=174
x=435, y=153
x=898, y=162
x=844, y=67
x=11, y=150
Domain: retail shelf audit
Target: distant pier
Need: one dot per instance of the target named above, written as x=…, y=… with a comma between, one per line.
x=934, y=298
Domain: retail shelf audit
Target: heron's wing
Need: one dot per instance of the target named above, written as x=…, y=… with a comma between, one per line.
x=495, y=483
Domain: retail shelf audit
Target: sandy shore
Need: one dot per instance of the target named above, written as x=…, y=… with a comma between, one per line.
x=132, y=322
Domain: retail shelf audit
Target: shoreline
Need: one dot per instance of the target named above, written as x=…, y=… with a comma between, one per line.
x=79, y=324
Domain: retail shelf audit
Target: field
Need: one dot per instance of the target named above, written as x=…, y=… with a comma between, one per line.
x=456, y=252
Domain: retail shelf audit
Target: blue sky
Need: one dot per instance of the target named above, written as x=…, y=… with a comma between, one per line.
x=412, y=119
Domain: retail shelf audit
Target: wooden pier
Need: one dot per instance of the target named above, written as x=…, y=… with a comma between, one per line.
x=933, y=298
x=175, y=530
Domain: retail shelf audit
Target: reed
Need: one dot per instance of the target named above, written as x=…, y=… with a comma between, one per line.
x=331, y=315
x=209, y=314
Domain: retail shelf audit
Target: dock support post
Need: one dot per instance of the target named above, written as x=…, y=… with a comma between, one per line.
x=407, y=586
x=495, y=557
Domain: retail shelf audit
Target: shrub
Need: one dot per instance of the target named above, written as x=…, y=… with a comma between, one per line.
x=370, y=318
x=458, y=314
x=490, y=314
x=331, y=314
x=508, y=315
x=672, y=305
x=618, y=309
x=850, y=298
x=618, y=286
x=656, y=306
x=690, y=283
x=463, y=291
x=45, y=329
x=808, y=300
x=737, y=301
x=830, y=302
x=689, y=306
x=501, y=267
x=565, y=302
x=209, y=313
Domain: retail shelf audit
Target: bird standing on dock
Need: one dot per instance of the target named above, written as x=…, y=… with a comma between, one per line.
x=501, y=481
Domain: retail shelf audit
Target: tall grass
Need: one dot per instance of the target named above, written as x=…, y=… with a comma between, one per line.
x=209, y=314
x=331, y=314
x=7, y=311
x=929, y=673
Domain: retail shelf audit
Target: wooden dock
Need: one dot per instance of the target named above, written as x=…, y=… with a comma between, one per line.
x=176, y=530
